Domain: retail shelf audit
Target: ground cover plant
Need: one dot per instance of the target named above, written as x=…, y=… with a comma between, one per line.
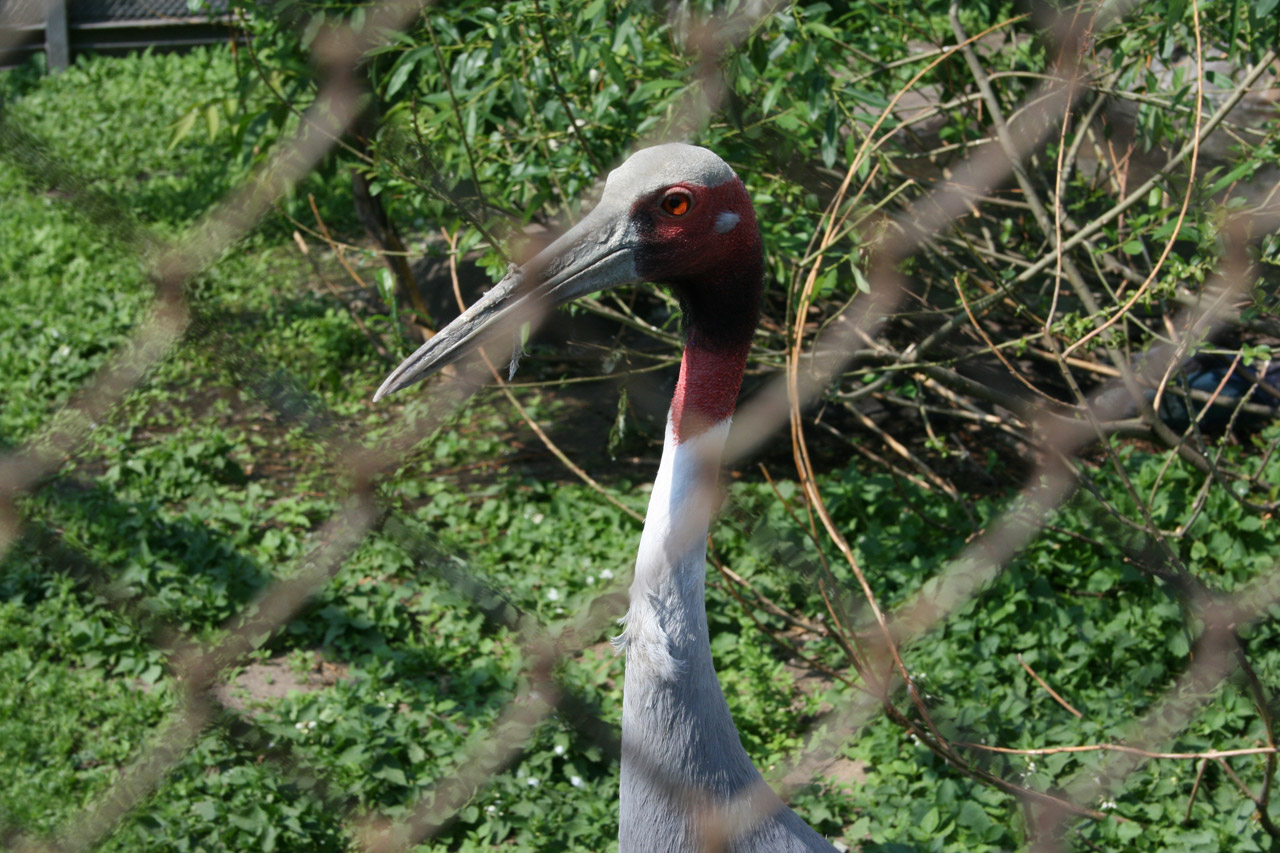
x=213, y=478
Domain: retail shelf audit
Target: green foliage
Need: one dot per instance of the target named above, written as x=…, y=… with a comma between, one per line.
x=66, y=723
x=208, y=483
x=68, y=300
x=126, y=153
x=1075, y=607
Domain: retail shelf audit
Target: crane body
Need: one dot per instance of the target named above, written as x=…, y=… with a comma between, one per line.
x=678, y=215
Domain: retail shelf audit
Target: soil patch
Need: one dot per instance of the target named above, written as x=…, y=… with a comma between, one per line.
x=264, y=682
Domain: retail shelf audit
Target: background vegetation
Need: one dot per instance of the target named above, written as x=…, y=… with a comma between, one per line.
x=487, y=122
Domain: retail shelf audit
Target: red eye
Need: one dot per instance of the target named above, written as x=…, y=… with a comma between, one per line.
x=677, y=203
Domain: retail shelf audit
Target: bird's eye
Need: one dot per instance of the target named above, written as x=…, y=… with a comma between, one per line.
x=677, y=203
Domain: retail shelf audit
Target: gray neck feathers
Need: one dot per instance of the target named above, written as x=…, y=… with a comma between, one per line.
x=681, y=754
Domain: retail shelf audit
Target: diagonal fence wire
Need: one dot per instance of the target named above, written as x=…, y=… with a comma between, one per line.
x=807, y=376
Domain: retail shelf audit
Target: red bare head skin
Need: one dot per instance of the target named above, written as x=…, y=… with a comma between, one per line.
x=705, y=243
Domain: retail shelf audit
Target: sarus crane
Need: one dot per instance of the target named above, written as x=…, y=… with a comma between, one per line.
x=678, y=215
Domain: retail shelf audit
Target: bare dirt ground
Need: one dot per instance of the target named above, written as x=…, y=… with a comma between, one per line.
x=263, y=682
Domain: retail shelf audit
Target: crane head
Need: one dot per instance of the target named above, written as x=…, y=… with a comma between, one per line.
x=675, y=214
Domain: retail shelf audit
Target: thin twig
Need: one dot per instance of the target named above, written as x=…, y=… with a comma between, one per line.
x=1056, y=697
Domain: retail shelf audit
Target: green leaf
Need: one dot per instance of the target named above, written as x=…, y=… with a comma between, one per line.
x=213, y=117
x=182, y=127
x=1231, y=177
x=859, y=280
x=392, y=774
x=352, y=756
x=207, y=810
x=650, y=88
x=403, y=68
x=311, y=30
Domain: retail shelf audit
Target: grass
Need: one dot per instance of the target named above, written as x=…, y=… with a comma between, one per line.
x=196, y=493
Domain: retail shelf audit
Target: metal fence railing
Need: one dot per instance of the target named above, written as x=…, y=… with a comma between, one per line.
x=63, y=29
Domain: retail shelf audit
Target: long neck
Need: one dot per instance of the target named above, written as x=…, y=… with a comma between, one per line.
x=679, y=743
x=667, y=624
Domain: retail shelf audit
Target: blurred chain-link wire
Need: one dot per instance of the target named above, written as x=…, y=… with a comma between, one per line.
x=810, y=368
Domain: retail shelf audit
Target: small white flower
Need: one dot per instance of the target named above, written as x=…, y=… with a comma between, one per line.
x=606, y=574
x=591, y=578
x=311, y=724
x=538, y=518
x=553, y=594
x=575, y=781
x=532, y=781
x=559, y=750
x=299, y=725
x=491, y=809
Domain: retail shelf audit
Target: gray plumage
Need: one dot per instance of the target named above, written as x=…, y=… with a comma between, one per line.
x=685, y=774
x=676, y=212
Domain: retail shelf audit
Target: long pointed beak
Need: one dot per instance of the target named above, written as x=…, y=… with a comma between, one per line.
x=596, y=254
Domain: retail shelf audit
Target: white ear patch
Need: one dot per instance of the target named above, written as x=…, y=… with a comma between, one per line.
x=726, y=221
